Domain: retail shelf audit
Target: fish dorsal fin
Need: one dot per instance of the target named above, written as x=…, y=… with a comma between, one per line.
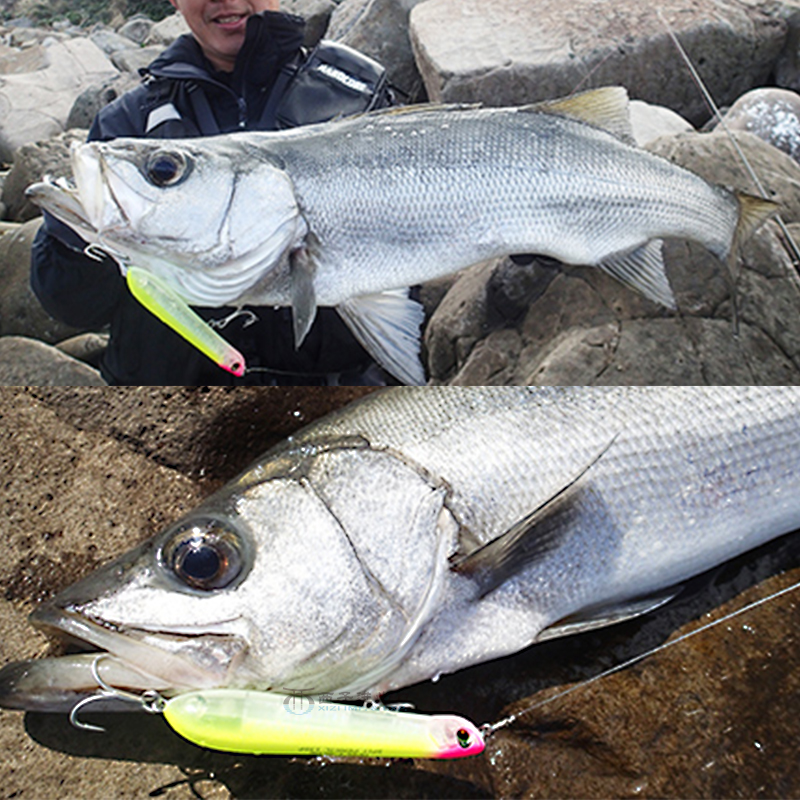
x=643, y=270
x=529, y=540
x=601, y=617
x=605, y=108
x=388, y=325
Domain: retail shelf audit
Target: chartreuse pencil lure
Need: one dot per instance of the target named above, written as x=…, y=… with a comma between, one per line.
x=159, y=299
x=261, y=723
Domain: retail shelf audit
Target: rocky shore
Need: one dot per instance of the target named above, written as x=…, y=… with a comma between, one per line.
x=497, y=323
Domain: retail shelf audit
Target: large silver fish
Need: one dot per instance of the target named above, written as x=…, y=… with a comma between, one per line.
x=348, y=213
x=421, y=531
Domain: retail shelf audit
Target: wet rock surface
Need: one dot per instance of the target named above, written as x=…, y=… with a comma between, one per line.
x=89, y=473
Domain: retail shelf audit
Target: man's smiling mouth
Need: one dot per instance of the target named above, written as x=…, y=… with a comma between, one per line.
x=231, y=19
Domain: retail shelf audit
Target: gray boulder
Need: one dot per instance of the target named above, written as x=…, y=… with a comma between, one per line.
x=91, y=100
x=132, y=59
x=34, y=161
x=27, y=362
x=551, y=324
x=512, y=52
x=138, y=29
x=20, y=311
x=379, y=28
x=86, y=347
x=787, y=67
x=168, y=30
x=650, y=122
x=35, y=105
x=109, y=41
x=316, y=13
x=771, y=114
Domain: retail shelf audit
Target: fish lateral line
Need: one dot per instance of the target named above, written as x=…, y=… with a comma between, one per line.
x=489, y=728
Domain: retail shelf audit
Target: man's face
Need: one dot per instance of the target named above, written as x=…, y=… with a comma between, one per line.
x=219, y=25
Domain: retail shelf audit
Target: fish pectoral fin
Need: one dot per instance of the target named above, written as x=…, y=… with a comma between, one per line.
x=607, y=108
x=388, y=326
x=304, y=298
x=529, y=540
x=643, y=270
x=601, y=617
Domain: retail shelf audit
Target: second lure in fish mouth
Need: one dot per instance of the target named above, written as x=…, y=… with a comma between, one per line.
x=351, y=213
x=130, y=659
x=136, y=654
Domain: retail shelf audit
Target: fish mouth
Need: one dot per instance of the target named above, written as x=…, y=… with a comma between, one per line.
x=129, y=659
x=61, y=199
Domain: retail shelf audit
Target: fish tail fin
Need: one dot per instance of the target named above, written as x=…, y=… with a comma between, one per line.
x=753, y=213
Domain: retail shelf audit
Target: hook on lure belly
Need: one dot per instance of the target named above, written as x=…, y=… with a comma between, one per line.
x=162, y=301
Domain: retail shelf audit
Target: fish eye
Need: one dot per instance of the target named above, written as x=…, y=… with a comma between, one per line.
x=204, y=554
x=166, y=168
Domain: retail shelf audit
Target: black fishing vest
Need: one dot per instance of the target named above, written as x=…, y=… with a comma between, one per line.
x=331, y=81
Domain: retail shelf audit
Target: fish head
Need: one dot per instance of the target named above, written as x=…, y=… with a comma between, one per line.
x=212, y=217
x=300, y=576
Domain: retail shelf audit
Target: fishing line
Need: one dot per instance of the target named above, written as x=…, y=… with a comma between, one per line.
x=491, y=728
x=794, y=251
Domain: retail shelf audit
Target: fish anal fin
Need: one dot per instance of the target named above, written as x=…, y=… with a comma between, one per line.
x=603, y=616
x=529, y=540
x=607, y=108
x=304, y=300
x=388, y=326
x=643, y=270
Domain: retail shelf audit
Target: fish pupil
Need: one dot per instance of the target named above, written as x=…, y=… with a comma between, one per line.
x=163, y=171
x=201, y=562
x=166, y=169
x=463, y=737
x=203, y=553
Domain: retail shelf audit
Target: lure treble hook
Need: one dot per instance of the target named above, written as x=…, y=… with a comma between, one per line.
x=151, y=701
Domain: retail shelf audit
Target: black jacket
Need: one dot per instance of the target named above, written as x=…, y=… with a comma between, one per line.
x=89, y=294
